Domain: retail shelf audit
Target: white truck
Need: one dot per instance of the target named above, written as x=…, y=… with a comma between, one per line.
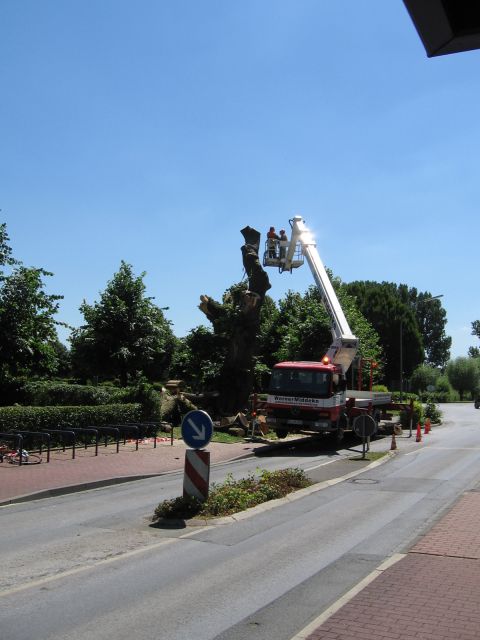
x=313, y=396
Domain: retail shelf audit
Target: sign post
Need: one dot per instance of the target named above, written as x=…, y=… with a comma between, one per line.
x=364, y=426
x=197, y=431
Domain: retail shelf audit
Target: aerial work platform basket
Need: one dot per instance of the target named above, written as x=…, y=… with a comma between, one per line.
x=276, y=251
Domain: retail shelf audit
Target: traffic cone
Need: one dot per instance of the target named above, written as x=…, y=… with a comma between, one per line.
x=427, y=425
x=393, y=446
x=419, y=432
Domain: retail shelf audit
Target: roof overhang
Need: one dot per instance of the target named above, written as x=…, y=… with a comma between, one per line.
x=446, y=26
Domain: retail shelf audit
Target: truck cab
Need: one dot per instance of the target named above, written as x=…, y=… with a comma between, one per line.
x=305, y=396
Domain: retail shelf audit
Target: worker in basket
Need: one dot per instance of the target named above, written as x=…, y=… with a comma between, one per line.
x=272, y=242
x=283, y=246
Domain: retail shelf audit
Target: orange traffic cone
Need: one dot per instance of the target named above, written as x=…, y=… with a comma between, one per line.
x=419, y=433
x=393, y=446
x=427, y=425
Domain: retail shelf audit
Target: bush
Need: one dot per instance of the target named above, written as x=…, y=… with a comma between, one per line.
x=433, y=412
x=235, y=495
x=38, y=418
x=444, y=391
x=380, y=388
x=423, y=377
x=49, y=394
x=144, y=394
x=417, y=415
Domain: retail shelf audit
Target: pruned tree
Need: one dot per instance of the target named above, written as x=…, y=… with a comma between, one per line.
x=236, y=323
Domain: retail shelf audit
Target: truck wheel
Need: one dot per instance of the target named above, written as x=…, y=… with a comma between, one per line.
x=281, y=433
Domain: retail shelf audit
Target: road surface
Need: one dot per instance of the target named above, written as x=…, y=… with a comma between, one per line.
x=91, y=565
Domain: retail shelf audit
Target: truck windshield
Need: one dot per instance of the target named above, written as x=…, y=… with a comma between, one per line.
x=300, y=382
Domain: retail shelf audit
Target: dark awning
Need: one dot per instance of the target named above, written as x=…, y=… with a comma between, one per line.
x=446, y=26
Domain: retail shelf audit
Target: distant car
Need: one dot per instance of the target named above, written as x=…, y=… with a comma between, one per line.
x=477, y=403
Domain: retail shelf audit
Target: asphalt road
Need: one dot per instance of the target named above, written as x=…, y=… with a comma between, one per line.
x=92, y=566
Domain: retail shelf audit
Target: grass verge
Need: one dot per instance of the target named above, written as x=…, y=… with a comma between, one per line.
x=371, y=456
x=233, y=496
x=218, y=436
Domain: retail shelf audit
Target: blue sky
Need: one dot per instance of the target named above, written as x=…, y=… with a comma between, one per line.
x=153, y=131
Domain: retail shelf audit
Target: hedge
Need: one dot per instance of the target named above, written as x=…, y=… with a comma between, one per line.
x=47, y=394
x=38, y=418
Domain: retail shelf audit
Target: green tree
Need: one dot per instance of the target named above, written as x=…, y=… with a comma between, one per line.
x=464, y=375
x=423, y=377
x=6, y=257
x=432, y=320
x=474, y=352
x=301, y=328
x=27, y=327
x=388, y=309
x=125, y=334
x=198, y=359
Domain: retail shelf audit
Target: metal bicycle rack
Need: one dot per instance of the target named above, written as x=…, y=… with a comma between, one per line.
x=35, y=435
x=86, y=431
x=63, y=433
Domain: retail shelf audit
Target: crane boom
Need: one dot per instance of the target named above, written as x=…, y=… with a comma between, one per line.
x=344, y=346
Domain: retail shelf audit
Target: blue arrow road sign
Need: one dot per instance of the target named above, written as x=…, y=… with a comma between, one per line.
x=197, y=429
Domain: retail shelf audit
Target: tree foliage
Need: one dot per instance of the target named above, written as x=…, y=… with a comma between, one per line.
x=394, y=321
x=28, y=337
x=423, y=377
x=198, y=359
x=432, y=320
x=405, y=320
x=464, y=375
x=300, y=329
x=125, y=334
x=474, y=352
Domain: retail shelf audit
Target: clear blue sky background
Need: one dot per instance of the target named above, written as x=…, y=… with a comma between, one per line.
x=153, y=131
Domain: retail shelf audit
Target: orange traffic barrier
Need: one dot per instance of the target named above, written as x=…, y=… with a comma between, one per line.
x=419, y=432
x=393, y=446
x=427, y=425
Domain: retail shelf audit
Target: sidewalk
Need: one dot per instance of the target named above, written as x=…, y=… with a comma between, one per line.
x=430, y=593
x=64, y=475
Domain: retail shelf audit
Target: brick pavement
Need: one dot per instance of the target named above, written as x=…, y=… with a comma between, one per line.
x=433, y=593
x=62, y=473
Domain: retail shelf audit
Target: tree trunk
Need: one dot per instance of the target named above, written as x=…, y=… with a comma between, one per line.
x=237, y=375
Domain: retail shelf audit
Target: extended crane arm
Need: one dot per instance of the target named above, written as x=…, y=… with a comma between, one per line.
x=344, y=347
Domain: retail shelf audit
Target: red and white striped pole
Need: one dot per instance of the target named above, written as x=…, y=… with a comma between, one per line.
x=197, y=474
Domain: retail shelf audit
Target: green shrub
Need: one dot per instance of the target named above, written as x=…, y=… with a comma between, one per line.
x=49, y=394
x=38, y=418
x=380, y=388
x=444, y=391
x=235, y=495
x=433, y=412
x=417, y=415
x=144, y=394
